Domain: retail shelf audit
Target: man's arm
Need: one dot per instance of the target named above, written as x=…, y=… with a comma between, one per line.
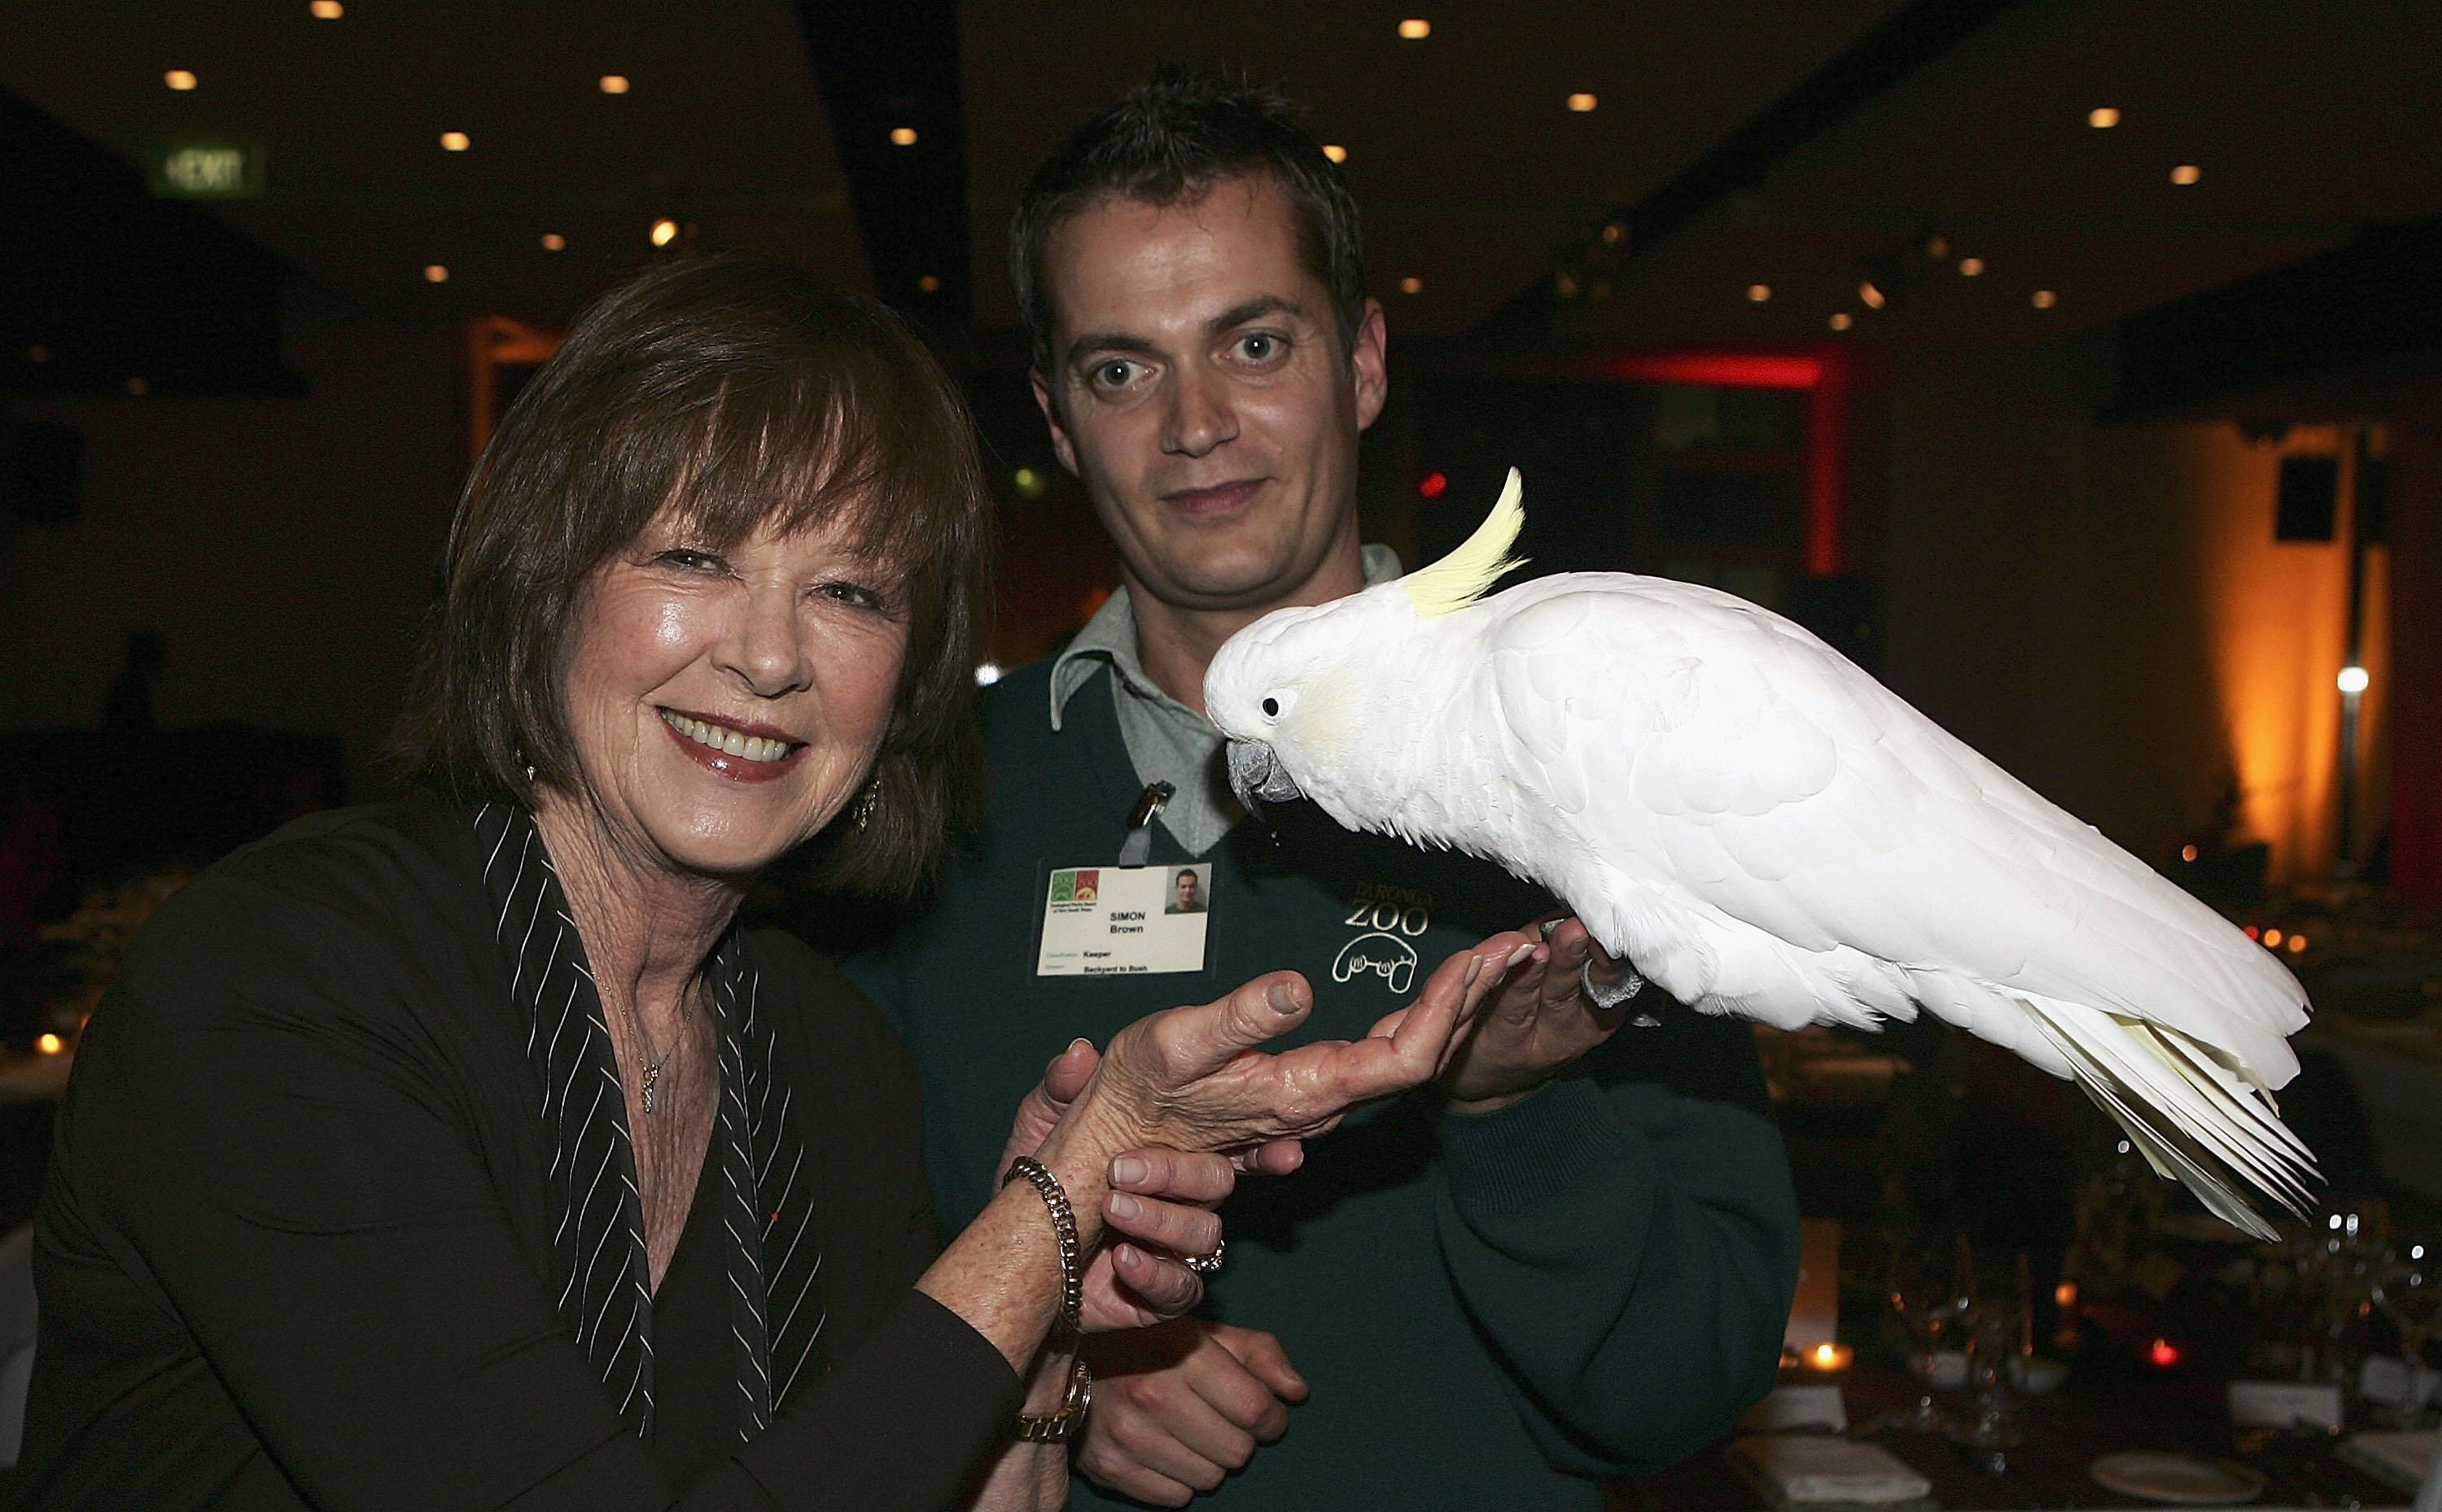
x=1620, y=1226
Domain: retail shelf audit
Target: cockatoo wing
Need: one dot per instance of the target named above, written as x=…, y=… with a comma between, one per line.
x=1763, y=829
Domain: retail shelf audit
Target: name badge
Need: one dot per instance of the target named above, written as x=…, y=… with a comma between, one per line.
x=1125, y=920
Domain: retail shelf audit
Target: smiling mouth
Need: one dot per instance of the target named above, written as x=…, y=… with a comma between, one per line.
x=727, y=742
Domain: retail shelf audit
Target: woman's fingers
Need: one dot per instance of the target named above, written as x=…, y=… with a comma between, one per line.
x=1174, y=1175
x=1188, y=1044
x=1177, y=1226
x=1069, y=1071
x=1273, y=1158
x=1166, y=1287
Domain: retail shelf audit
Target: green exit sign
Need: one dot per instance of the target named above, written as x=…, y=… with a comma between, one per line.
x=208, y=171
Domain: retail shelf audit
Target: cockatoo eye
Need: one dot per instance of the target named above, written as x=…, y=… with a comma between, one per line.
x=1272, y=709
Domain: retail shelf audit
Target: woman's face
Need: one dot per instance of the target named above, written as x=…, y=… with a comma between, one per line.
x=725, y=703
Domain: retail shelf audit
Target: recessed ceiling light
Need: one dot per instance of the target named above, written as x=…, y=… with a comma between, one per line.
x=2186, y=174
x=613, y=83
x=1840, y=321
x=665, y=232
x=2045, y=300
x=1416, y=29
x=902, y=135
x=1936, y=248
x=179, y=78
x=327, y=9
x=1335, y=152
x=1581, y=102
x=1970, y=267
x=1612, y=232
x=929, y=284
x=137, y=387
x=435, y=273
x=1757, y=293
x=2103, y=118
x=1411, y=286
x=554, y=242
x=454, y=141
x=1872, y=296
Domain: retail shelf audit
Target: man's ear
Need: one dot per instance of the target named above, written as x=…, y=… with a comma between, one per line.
x=1061, y=445
x=1369, y=364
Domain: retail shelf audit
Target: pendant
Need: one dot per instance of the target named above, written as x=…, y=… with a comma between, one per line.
x=652, y=1074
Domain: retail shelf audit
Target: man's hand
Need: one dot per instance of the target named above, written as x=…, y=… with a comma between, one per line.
x=1178, y=1407
x=1538, y=1022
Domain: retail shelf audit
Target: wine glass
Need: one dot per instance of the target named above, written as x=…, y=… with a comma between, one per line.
x=1929, y=1293
x=1993, y=1327
x=2408, y=1288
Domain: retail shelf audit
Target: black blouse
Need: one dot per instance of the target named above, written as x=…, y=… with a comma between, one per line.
x=296, y=1247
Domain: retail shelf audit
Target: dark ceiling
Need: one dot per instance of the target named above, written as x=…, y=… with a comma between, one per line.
x=1951, y=125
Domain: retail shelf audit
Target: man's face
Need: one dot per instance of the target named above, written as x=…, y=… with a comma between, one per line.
x=1198, y=389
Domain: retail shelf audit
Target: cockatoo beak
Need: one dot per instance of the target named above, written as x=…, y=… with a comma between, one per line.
x=1255, y=774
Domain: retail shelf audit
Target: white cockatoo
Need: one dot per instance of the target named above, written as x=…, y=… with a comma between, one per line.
x=1760, y=827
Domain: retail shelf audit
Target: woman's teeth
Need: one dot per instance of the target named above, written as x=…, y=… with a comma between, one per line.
x=721, y=737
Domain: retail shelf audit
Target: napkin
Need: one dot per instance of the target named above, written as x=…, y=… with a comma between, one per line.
x=1816, y=1469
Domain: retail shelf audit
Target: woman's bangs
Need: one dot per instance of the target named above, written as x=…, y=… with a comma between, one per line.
x=791, y=456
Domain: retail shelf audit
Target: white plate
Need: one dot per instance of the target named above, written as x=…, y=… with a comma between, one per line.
x=2182, y=1480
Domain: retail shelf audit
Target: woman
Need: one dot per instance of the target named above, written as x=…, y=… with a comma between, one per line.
x=463, y=1151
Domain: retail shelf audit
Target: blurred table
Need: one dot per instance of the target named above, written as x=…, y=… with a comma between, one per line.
x=2396, y=1067
x=2067, y=1432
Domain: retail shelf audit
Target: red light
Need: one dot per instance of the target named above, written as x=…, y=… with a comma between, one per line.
x=2162, y=1353
x=2253, y=933
x=1728, y=370
x=1433, y=486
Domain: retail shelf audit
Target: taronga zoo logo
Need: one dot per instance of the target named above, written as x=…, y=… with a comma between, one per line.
x=1387, y=918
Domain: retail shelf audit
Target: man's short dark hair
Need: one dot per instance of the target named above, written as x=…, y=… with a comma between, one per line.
x=1168, y=142
x=742, y=394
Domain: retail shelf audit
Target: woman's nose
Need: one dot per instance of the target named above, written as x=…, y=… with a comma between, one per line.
x=766, y=646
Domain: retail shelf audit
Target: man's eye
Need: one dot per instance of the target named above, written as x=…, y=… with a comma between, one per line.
x=1259, y=346
x=1113, y=373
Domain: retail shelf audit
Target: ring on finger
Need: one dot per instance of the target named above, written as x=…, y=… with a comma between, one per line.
x=1209, y=1264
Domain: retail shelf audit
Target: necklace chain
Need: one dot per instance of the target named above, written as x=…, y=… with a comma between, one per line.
x=653, y=1063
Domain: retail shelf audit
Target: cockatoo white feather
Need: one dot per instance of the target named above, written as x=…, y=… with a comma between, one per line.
x=1760, y=827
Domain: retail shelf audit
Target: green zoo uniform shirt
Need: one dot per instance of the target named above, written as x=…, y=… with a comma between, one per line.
x=1493, y=1312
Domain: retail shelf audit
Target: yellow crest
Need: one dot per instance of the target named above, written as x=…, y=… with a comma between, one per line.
x=1462, y=577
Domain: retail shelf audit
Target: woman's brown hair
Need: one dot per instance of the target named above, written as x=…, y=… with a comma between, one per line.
x=742, y=394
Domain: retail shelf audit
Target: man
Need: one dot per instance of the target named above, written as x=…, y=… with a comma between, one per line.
x=1186, y=893
x=1574, y=1258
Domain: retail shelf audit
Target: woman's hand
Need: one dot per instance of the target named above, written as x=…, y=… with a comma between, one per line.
x=1161, y=1198
x=1191, y=1078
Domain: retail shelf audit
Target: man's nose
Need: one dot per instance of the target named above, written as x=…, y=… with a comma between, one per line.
x=1201, y=417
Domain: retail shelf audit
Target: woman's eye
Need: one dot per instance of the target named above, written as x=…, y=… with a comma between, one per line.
x=854, y=595
x=686, y=558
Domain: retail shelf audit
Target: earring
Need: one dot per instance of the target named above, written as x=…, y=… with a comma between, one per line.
x=866, y=802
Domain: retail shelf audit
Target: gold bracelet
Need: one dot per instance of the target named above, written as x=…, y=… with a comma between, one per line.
x=1064, y=1228
x=1065, y=1424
